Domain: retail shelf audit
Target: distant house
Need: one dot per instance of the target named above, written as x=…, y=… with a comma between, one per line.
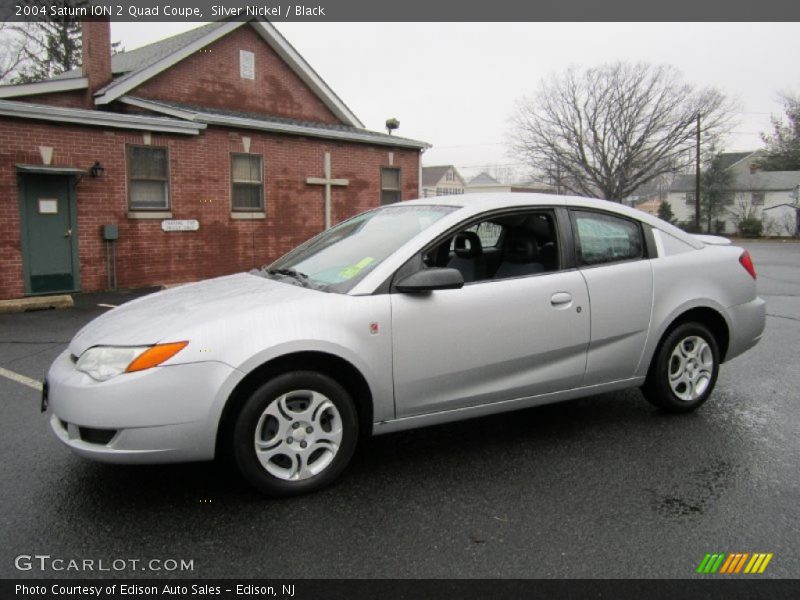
x=649, y=205
x=442, y=180
x=484, y=182
x=760, y=192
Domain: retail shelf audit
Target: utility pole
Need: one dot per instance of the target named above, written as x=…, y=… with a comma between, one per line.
x=697, y=179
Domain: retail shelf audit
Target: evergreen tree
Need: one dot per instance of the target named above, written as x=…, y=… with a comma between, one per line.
x=665, y=212
x=51, y=47
x=783, y=144
x=715, y=189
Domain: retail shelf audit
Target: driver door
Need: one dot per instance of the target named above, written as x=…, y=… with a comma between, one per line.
x=490, y=341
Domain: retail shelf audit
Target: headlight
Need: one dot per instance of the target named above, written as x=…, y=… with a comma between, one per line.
x=104, y=362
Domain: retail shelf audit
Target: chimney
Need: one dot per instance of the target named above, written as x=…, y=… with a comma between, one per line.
x=96, y=65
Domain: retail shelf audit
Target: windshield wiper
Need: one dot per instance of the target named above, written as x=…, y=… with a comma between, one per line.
x=290, y=272
x=300, y=278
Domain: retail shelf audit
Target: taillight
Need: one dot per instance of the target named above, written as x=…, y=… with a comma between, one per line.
x=747, y=263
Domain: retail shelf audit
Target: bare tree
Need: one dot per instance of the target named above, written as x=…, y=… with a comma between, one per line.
x=12, y=51
x=505, y=173
x=611, y=129
x=770, y=226
x=789, y=223
x=743, y=208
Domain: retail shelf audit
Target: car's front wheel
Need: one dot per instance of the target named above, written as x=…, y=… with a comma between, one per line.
x=684, y=370
x=295, y=434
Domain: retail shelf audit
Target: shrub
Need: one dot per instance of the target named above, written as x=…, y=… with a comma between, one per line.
x=750, y=228
x=688, y=226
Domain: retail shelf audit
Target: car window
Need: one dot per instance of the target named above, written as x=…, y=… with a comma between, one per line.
x=602, y=238
x=502, y=247
x=341, y=256
x=489, y=233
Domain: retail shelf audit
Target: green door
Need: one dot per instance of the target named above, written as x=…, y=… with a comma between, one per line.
x=48, y=233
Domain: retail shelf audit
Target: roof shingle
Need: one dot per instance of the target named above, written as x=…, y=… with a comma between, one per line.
x=199, y=111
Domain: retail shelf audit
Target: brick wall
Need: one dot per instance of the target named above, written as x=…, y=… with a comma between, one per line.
x=73, y=99
x=200, y=189
x=211, y=78
x=96, y=55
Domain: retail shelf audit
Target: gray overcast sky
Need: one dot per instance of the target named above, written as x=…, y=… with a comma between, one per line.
x=454, y=84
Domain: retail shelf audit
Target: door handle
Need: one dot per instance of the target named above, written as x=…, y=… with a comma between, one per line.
x=68, y=233
x=560, y=299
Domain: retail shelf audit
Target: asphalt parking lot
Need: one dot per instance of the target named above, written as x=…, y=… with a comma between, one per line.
x=601, y=487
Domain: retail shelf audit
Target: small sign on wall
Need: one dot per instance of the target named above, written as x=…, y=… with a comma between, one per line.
x=48, y=206
x=247, y=64
x=180, y=225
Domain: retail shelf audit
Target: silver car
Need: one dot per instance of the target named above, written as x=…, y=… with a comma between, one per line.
x=408, y=315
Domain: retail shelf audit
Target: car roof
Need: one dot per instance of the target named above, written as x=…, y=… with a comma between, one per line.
x=478, y=203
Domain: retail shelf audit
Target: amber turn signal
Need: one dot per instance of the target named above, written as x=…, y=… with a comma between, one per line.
x=156, y=355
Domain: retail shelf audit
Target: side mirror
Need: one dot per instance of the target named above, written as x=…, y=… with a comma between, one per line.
x=428, y=280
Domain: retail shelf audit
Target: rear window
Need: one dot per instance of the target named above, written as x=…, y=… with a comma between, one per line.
x=602, y=238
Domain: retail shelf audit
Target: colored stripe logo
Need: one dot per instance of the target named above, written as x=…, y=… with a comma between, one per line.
x=734, y=563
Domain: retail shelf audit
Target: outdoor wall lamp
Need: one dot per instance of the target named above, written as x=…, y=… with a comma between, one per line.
x=96, y=169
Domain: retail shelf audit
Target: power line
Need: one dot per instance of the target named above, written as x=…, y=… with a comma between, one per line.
x=471, y=145
x=491, y=165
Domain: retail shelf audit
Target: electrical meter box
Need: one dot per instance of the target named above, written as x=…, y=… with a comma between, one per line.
x=110, y=232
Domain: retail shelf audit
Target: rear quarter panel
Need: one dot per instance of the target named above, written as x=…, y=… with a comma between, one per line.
x=708, y=277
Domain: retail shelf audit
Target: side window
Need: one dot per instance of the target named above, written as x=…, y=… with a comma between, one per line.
x=504, y=247
x=602, y=238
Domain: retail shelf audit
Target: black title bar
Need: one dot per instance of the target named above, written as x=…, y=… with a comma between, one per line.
x=442, y=589
x=407, y=10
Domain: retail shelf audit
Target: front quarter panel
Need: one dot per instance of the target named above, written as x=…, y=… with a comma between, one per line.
x=354, y=328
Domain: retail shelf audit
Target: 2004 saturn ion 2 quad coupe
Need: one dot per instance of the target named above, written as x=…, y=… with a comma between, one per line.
x=408, y=315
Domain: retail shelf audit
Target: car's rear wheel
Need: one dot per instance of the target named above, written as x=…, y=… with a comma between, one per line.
x=295, y=434
x=684, y=370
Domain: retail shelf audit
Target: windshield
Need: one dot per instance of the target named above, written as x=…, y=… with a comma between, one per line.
x=338, y=258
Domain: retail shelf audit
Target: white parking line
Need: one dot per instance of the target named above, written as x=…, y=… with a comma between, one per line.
x=108, y=305
x=32, y=383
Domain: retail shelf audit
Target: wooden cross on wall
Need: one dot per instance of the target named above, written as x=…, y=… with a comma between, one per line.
x=328, y=182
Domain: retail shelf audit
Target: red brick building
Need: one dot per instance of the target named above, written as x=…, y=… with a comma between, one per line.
x=208, y=153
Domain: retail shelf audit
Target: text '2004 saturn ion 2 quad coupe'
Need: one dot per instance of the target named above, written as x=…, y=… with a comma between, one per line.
x=408, y=315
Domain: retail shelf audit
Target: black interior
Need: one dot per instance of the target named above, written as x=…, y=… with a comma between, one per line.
x=526, y=245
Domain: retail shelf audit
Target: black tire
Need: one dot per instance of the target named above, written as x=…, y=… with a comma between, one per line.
x=244, y=433
x=657, y=388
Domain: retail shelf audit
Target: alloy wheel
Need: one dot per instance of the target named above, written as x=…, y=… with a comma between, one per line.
x=298, y=435
x=691, y=366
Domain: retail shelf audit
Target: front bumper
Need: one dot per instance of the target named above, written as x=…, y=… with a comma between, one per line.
x=163, y=414
x=747, y=322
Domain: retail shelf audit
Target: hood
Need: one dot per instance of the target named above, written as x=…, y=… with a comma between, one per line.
x=161, y=316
